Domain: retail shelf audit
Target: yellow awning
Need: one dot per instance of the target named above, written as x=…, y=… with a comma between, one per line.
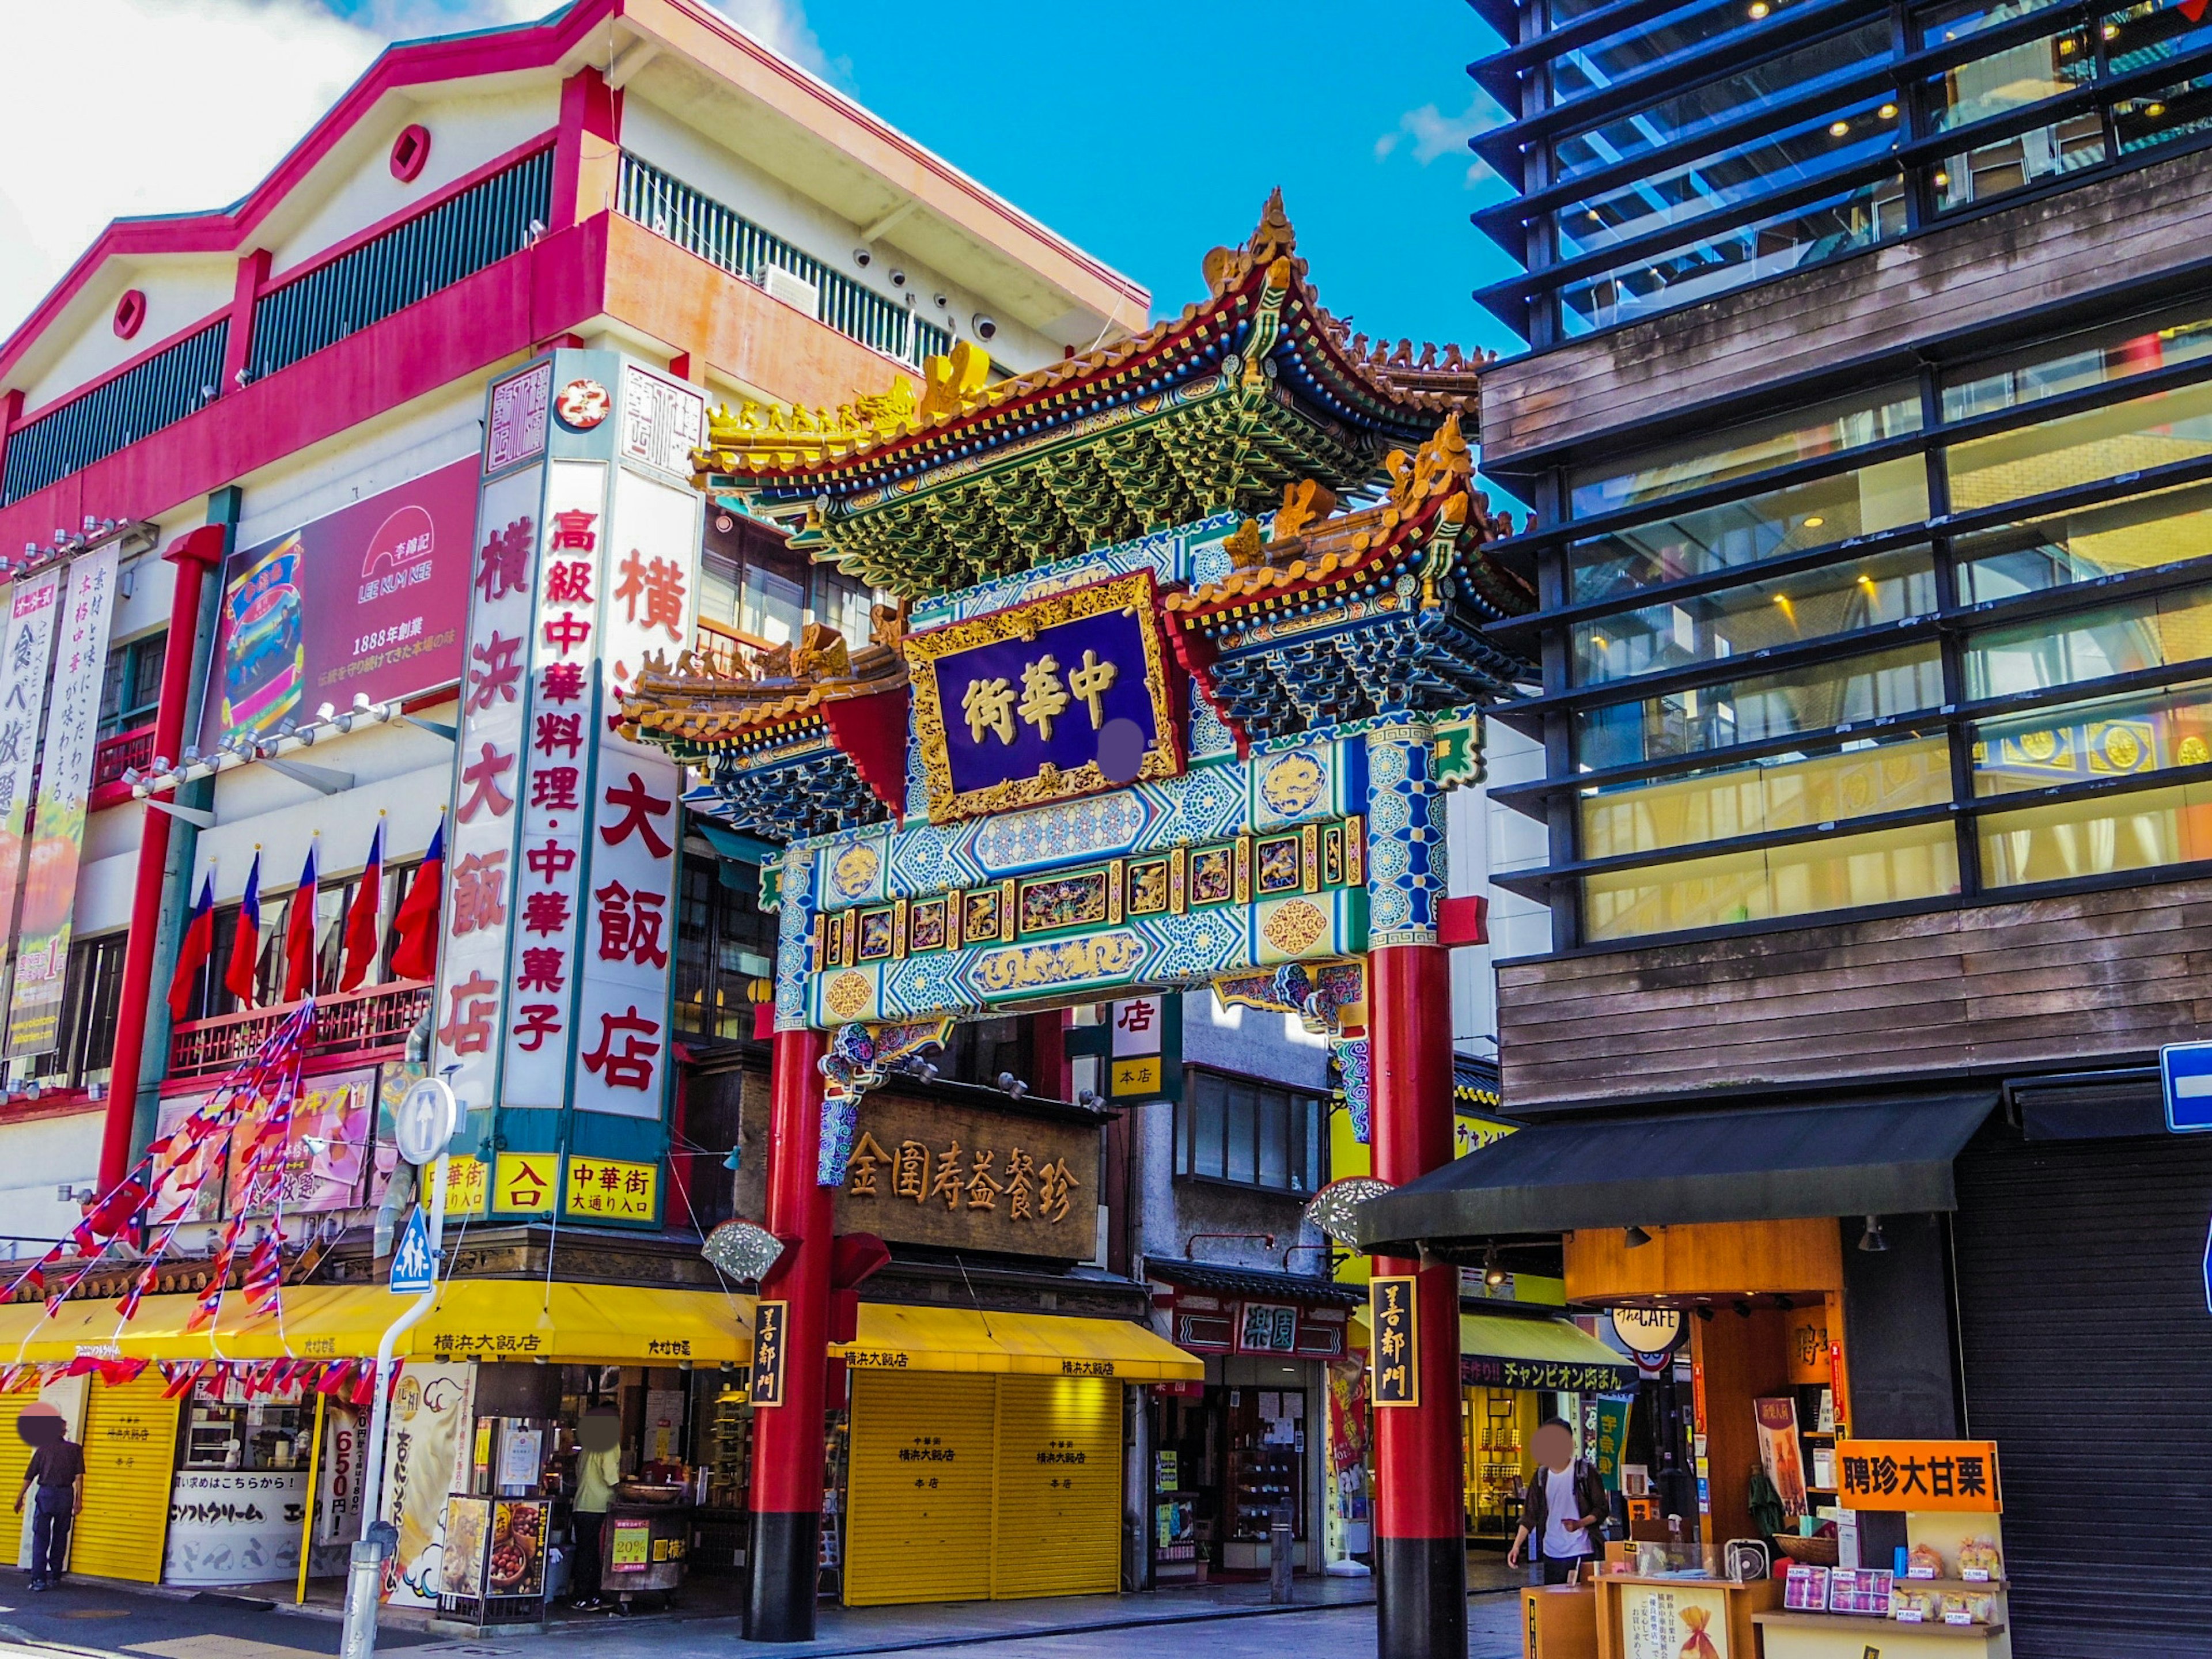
x=899, y=1339
x=478, y=1318
x=1544, y=1353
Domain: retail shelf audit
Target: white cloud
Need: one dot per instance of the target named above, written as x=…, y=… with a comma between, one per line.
x=1434, y=133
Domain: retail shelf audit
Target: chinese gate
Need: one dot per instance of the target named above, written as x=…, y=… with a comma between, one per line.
x=1152, y=713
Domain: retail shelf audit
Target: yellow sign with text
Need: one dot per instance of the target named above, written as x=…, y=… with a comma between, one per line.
x=468, y=1184
x=611, y=1189
x=1136, y=1077
x=523, y=1183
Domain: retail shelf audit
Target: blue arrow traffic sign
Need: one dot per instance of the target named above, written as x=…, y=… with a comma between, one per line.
x=414, y=1269
x=2185, y=1069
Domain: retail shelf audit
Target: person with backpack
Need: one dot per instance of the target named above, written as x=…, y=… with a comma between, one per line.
x=1564, y=1507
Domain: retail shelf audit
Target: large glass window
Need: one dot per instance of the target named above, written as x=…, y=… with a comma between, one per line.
x=1961, y=18
x=2152, y=32
x=1855, y=779
x=1767, y=526
x=2131, y=436
x=2119, y=736
x=1630, y=50
x=2093, y=357
x=2012, y=79
x=1728, y=258
x=1232, y=1128
x=2139, y=533
x=2102, y=836
x=1737, y=621
x=2158, y=631
x=2182, y=110
x=1793, y=74
x=2004, y=165
x=1755, y=447
x=1887, y=866
x=723, y=945
x=1760, y=707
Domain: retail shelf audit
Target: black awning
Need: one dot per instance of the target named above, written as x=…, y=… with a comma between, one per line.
x=1882, y=1157
x=1253, y=1283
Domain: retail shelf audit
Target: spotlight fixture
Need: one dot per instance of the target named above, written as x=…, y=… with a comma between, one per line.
x=862, y=258
x=1788, y=1304
x=1705, y=1312
x=1871, y=1240
x=1012, y=1084
x=898, y=277
x=1742, y=1309
x=1492, y=1274
x=1634, y=1238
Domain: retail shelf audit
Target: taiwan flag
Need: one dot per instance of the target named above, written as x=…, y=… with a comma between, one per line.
x=300, y=933
x=416, y=956
x=362, y=917
x=239, y=977
x=198, y=946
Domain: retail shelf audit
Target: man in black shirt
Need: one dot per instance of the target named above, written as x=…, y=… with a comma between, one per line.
x=57, y=1470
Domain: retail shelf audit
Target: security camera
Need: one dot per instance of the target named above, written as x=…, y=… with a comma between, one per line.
x=942, y=303
x=898, y=277
x=862, y=258
x=985, y=327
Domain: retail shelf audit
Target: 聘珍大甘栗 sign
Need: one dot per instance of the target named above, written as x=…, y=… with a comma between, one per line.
x=1919, y=1475
x=1062, y=696
x=367, y=600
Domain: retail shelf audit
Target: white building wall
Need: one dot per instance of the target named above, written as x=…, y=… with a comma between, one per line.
x=180, y=293
x=38, y=1156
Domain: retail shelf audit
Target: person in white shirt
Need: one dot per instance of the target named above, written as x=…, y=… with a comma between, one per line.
x=1565, y=1506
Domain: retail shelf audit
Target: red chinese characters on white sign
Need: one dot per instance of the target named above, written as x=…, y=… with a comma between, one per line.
x=621, y=1035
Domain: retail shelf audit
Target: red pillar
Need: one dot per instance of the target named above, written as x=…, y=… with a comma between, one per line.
x=788, y=1444
x=194, y=556
x=1420, y=1535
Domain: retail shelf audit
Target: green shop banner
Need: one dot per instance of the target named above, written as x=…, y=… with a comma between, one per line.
x=1611, y=1436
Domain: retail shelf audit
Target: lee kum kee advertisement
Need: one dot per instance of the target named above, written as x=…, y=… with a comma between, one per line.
x=367, y=600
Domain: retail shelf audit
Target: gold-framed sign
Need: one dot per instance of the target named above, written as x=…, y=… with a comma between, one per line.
x=1394, y=1322
x=1060, y=696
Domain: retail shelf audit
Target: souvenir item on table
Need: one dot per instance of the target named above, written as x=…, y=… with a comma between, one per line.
x=1914, y=1607
x=1924, y=1561
x=1969, y=1607
x=1805, y=1588
x=1979, y=1559
x=1860, y=1590
x=1697, y=1645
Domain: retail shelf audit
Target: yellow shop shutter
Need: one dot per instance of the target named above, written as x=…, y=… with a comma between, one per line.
x=129, y=1457
x=14, y=1460
x=918, y=1487
x=1060, y=1487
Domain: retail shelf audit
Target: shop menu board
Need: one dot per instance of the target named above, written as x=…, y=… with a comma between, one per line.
x=368, y=599
x=1674, y=1621
x=229, y=1527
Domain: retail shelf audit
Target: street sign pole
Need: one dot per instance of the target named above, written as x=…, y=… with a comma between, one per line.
x=426, y=1122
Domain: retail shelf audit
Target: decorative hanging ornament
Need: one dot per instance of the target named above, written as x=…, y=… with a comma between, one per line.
x=1331, y=1208
x=743, y=1250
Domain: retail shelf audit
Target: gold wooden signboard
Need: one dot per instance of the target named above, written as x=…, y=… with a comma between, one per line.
x=972, y=1177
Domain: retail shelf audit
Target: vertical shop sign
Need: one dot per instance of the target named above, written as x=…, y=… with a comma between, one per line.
x=64, y=784
x=26, y=652
x=1394, y=1318
x=768, y=1321
x=1138, y=1025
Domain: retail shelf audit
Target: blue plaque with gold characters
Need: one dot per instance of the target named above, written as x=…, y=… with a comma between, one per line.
x=1064, y=695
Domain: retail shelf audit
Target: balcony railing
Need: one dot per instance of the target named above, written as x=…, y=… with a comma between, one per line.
x=350, y=1023
x=699, y=224
x=412, y=261
x=160, y=392
x=120, y=753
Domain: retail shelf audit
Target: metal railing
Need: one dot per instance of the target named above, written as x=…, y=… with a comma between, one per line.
x=158, y=393
x=351, y=1022
x=699, y=224
x=118, y=753
x=408, y=262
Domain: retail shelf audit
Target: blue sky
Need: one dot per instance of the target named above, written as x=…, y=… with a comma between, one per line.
x=1151, y=130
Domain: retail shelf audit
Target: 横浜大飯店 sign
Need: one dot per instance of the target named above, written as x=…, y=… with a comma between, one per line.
x=1063, y=696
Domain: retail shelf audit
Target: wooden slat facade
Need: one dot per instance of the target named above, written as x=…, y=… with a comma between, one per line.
x=2089, y=979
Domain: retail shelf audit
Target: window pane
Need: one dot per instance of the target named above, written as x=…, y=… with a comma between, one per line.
x=2098, y=838
x=2009, y=164
x=1886, y=867
x=1638, y=46
x=1785, y=791
x=2140, y=533
x=1794, y=74
x=1964, y=17
x=1274, y=1139
x=1755, y=447
x=1730, y=258
x=2120, y=639
x=2151, y=32
x=1841, y=599
x=2092, y=357
x=2183, y=110
x=770, y=607
x=2075, y=449
x=2102, y=738
x=1206, y=1127
x=1767, y=526
x=1243, y=1130
x=2012, y=79
x=1755, y=708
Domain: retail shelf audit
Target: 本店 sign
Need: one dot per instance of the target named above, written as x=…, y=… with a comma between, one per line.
x=963, y=1177
x=368, y=599
x=1064, y=695
x=1919, y=1475
x=1393, y=1320
x=770, y=1320
x=1133, y=1067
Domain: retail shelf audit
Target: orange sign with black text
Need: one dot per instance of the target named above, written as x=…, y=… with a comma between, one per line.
x=1919, y=1475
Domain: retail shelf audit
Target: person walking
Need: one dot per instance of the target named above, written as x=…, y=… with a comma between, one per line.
x=599, y=1466
x=57, y=1470
x=1565, y=1505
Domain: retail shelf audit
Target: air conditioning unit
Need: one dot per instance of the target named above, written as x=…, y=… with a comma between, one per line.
x=791, y=290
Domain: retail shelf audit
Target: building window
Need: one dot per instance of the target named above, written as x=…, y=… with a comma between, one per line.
x=724, y=943
x=755, y=593
x=131, y=691
x=211, y=999
x=90, y=1000
x=1234, y=1129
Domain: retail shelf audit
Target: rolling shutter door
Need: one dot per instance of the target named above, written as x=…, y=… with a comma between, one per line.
x=918, y=1487
x=15, y=1459
x=129, y=1457
x=2088, y=1357
x=1059, y=1486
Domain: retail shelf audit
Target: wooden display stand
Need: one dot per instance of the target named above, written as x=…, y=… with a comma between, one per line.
x=1559, y=1621
x=1791, y=1635
x=1625, y=1600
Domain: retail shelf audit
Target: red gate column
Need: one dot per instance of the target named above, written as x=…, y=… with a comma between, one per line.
x=1420, y=1532
x=786, y=1472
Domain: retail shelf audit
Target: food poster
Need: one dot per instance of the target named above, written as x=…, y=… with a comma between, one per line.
x=1676, y=1621
x=174, y=1177
x=425, y=1457
x=517, y=1547
x=325, y=1151
x=461, y=1561
x=1778, y=1453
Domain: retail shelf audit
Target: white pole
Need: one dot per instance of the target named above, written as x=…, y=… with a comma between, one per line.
x=364, y=1582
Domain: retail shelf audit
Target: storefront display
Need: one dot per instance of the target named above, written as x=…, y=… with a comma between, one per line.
x=492, y=1569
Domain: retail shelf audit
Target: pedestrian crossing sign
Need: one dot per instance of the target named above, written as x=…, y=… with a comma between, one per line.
x=413, y=1268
